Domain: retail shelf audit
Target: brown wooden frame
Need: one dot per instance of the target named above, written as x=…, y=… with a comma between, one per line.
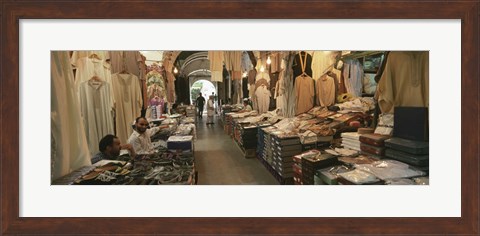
x=12, y=11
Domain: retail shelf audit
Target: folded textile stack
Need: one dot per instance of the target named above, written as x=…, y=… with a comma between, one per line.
x=284, y=148
x=351, y=140
x=297, y=170
x=408, y=151
x=312, y=161
x=183, y=143
x=373, y=145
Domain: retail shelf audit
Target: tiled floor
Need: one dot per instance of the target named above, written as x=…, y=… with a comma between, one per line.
x=219, y=160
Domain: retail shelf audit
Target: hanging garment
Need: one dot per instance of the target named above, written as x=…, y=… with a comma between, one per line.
x=297, y=65
x=90, y=67
x=102, y=55
x=216, y=65
x=245, y=88
x=304, y=89
x=128, y=60
x=96, y=105
x=236, y=64
x=276, y=59
x=246, y=64
x=71, y=150
x=251, y=91
x=170, y=87
x=252, y=74
x=273, y=82
x=182, y=90
x=353, y=75
x=325, y=88
x=279, y=91
x=262, y=75
x=337, y=75
x=128, y=103
x=263, y=98
x=236, y=91
x=404, y=81
x=131, y=61
x=321, y=61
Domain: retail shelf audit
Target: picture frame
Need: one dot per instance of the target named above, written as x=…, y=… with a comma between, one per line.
x=13, y=11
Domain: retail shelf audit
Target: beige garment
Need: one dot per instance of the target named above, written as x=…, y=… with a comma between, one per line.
x=216, y=76
x=132, y=62
x=275, y=65
x=170, y=87
x=304, y=91
x=251, y=76
x=89, y=67
x=321, y=60
x=237, y=64
x=227, y=58
x=262, y=94
x=233, y=62
x=404, y=82
x=262, y=75
x=67, y=129
x=103, y=55
x=216, y=59
x=128, y=103
x=96, y=106
x=251, y=91
x=279, y=92
x=325, y=87
x=129, y=60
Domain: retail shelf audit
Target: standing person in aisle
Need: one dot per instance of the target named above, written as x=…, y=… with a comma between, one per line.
x=110, y=147
x=140, y=138
x=200, y=104
x=210, y=110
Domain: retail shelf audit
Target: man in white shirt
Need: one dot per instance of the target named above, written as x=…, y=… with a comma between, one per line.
x=140, y=138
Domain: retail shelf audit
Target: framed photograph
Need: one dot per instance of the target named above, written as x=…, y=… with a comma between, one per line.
x=32, y=29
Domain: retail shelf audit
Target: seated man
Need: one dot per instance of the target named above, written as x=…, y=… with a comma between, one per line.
x=110, y=147
x=246, y=106
x=140, y=138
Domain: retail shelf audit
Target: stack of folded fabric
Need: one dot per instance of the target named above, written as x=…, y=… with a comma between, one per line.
x=351, y=140
x=373, y=145
x=314, y=160
x=284, y=148
x=297, y=170
x=408, y=151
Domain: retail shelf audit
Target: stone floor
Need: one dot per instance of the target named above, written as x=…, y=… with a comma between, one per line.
x=219, y=161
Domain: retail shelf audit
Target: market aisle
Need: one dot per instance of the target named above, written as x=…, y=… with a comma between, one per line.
x=219, y=160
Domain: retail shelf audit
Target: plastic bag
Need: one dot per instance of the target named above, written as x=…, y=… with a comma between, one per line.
x=390, y=169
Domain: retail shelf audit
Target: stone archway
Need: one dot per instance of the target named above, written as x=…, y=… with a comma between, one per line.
x=202, y=86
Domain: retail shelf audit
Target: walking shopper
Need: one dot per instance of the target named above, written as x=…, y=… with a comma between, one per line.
x=200, y=104
x=210, y=110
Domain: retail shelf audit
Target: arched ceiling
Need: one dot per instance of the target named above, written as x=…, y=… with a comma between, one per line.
x=193, y=63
